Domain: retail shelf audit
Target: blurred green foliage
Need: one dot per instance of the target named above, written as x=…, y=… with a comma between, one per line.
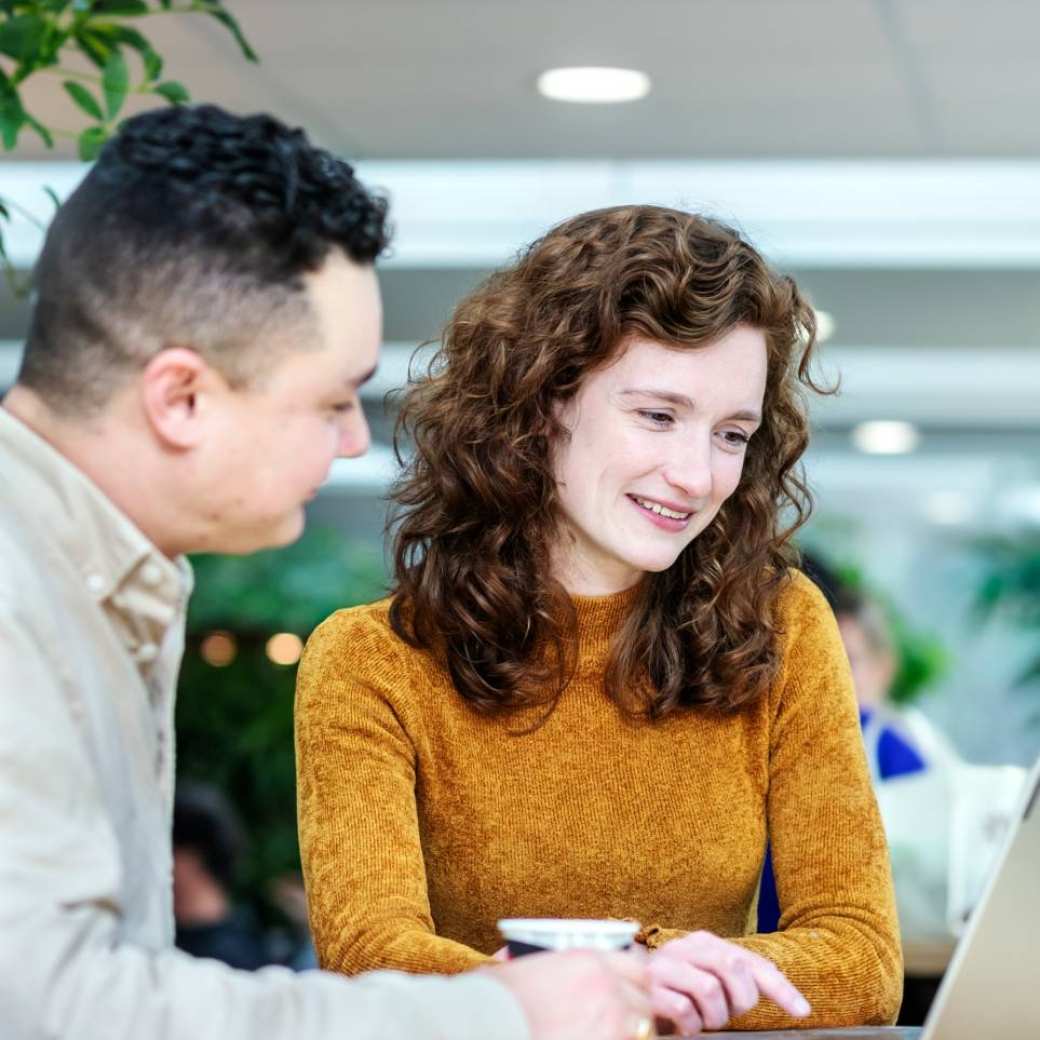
x=87, y=43
x=923, y=659
x=1011, y=589
x=234, y=723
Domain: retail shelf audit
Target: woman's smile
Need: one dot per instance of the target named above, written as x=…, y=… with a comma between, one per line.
x=660, y=515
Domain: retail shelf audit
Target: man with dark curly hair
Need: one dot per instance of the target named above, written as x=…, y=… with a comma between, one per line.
x=206, y=311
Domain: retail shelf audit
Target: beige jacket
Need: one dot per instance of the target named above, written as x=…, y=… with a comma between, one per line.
x=91, y=635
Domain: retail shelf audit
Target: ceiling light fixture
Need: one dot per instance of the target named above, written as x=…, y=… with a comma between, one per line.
x=885, y=437
x=592, y=85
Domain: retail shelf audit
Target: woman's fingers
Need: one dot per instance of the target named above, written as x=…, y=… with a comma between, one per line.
x=739, y=981
x=721, y=978
x=701, y=990
x=677, y=1008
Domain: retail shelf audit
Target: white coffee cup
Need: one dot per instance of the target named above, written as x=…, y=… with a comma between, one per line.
x=525, y=935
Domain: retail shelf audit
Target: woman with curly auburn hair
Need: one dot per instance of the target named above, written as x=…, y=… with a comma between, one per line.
x=599, y=688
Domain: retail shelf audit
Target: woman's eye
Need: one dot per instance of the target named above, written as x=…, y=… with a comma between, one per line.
x=658, y=418
x=344, y=406
x=736, y=437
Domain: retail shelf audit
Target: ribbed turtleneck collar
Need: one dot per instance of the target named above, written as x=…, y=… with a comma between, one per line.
x=599, y=618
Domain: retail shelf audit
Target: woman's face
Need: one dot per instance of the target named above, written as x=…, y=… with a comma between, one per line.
x=657, y=444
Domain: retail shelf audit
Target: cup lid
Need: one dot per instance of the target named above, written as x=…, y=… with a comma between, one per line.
x=558, y=933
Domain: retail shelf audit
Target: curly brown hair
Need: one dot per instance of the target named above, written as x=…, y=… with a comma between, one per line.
x=476, y=509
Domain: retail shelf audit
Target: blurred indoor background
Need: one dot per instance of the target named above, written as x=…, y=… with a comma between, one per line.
x=884, y=152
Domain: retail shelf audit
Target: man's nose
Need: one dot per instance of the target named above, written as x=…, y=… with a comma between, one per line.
x=355, y=436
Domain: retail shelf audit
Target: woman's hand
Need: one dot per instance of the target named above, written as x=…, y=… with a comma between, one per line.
x=701, y=981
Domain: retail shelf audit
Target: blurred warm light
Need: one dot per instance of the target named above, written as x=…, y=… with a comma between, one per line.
x=218, y=649
x=284, y=648
x=885, y=437
x=594, y=85
x=825, y=325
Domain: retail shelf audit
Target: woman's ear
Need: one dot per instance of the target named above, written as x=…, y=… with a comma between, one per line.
x=175, y=386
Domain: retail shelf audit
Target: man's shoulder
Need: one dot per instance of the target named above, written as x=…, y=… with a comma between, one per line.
x=21, y=545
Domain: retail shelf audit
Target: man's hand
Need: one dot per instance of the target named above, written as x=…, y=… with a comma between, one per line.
x=701, y=981
x=581, y=995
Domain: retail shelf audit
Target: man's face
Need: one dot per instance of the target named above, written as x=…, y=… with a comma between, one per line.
x=275, y=441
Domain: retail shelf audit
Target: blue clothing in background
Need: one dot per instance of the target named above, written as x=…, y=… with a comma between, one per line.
x=895, y=757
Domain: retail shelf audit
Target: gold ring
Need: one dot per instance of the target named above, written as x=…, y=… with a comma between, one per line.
x=645, y=1030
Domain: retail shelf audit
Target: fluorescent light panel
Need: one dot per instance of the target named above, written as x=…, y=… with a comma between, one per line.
x=946, y=214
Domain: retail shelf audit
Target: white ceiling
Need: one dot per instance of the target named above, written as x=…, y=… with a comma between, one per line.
x=886, y=151
x=732, y=78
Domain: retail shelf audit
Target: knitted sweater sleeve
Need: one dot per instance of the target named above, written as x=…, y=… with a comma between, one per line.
x=359, y=833
x=839, y=936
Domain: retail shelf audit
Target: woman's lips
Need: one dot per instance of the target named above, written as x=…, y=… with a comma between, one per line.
x=672, y=524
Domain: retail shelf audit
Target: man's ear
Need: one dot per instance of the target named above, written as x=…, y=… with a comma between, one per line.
x=175, y=386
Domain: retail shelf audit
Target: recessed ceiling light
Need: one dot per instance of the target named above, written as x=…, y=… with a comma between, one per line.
x=594, y=84
x=885, y=437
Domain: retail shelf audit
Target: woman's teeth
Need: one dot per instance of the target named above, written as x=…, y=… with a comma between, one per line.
x=656, y=507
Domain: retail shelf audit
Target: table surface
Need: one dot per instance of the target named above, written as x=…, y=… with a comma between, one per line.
x=862, y=1033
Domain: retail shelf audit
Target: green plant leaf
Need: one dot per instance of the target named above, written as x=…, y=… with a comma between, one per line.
x=153, y=65
x=91, y=141
x=150, y=58
x=84, y=99
x=94, y=46
x=115, y=81
x=42, y=132
x=120, y=8
x=231, y=23
x=52, y=195
x=11, y=117
x=174, y=92
x=22, y=36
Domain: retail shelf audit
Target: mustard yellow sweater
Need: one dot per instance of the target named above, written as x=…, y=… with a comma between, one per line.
x=422, y=822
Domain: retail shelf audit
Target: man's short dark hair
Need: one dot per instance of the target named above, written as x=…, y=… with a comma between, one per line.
x=194, y=228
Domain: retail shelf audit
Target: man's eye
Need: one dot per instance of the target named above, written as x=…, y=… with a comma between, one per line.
x=344, y=406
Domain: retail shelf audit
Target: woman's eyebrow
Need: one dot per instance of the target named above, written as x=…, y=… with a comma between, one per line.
x=682, y=400
x=664, y=395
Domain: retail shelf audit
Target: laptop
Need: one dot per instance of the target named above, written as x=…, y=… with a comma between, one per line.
x=991, y=990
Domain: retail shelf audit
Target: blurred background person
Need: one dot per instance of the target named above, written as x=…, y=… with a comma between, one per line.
x=944, y=817
x=208, y=843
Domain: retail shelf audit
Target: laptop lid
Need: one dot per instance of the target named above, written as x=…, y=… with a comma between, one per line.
x=992, y=986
